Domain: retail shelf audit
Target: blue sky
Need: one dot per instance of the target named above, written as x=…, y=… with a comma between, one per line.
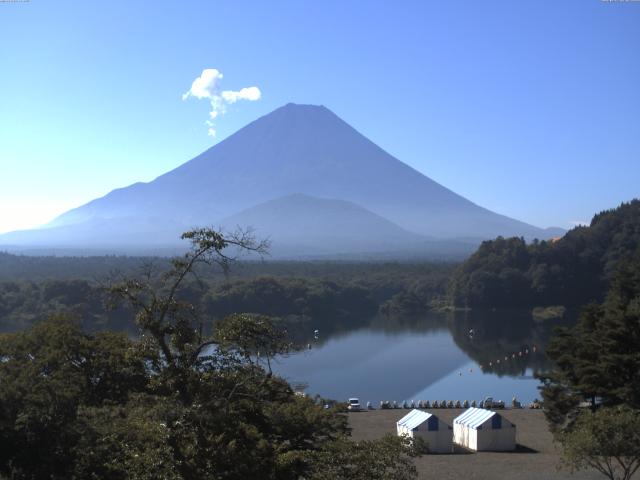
x=529, y=108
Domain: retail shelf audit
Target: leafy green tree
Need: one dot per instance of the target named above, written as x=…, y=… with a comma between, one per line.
x=223, y=415
x=255, y=338
x=184, y=401
x=599, y=359
x=607, y=440
x=47, y=374
x=385, y=459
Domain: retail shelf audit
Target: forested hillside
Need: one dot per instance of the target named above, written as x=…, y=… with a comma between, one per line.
x=342, y=291
x=598, y=357
x=571, y=271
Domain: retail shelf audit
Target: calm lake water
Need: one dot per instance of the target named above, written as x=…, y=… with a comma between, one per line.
x=432, y=358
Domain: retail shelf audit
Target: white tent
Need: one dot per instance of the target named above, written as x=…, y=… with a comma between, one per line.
x=427, y=426
x=480, y=429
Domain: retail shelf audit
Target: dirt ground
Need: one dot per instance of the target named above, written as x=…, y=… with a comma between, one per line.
x=536, y=457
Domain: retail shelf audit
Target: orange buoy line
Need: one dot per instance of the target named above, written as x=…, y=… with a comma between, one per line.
x=534, y=349
x=506, y=358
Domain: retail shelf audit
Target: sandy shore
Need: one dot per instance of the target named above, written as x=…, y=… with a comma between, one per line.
x=536, y=458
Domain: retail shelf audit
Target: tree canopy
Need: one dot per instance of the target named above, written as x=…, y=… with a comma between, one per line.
x=179, y=402
x=599, y=358
x=596, y=364
x=607, y=440
x=296, y=292
x=571, y=271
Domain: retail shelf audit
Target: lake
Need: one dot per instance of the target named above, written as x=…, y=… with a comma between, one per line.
x=465, y=356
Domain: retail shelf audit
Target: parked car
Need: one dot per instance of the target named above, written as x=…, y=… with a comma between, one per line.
x=354, y=405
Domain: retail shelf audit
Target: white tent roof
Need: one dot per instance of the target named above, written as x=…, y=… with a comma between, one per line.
x=474, y=417
x=413, y=419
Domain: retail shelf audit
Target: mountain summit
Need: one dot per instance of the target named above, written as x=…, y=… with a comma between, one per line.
x=296, y=149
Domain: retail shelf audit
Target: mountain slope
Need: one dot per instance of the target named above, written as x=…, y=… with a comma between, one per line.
x=303, y=224
x=102, y=235
x=295, y=149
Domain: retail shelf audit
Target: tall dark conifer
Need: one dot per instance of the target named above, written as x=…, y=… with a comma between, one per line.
x=598, y=359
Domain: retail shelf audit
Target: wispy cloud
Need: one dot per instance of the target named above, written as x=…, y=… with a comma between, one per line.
x=207, y=85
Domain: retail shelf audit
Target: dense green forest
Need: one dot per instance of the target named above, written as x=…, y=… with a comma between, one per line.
x=176, y=402
x=571, y=271
x=296, y=291
x=100, y=268
x=595, y=364
x=598, y=357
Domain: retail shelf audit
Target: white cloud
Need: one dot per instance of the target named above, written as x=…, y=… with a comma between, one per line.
x=249, y=93
x=207, y=85
x=211, y=131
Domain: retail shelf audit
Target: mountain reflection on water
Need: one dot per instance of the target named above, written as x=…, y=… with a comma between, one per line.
x=454, y=356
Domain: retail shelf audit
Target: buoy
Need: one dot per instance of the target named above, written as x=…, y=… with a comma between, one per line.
x=534, y=348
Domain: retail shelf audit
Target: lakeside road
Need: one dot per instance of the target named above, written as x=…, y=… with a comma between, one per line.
x=536, y=458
